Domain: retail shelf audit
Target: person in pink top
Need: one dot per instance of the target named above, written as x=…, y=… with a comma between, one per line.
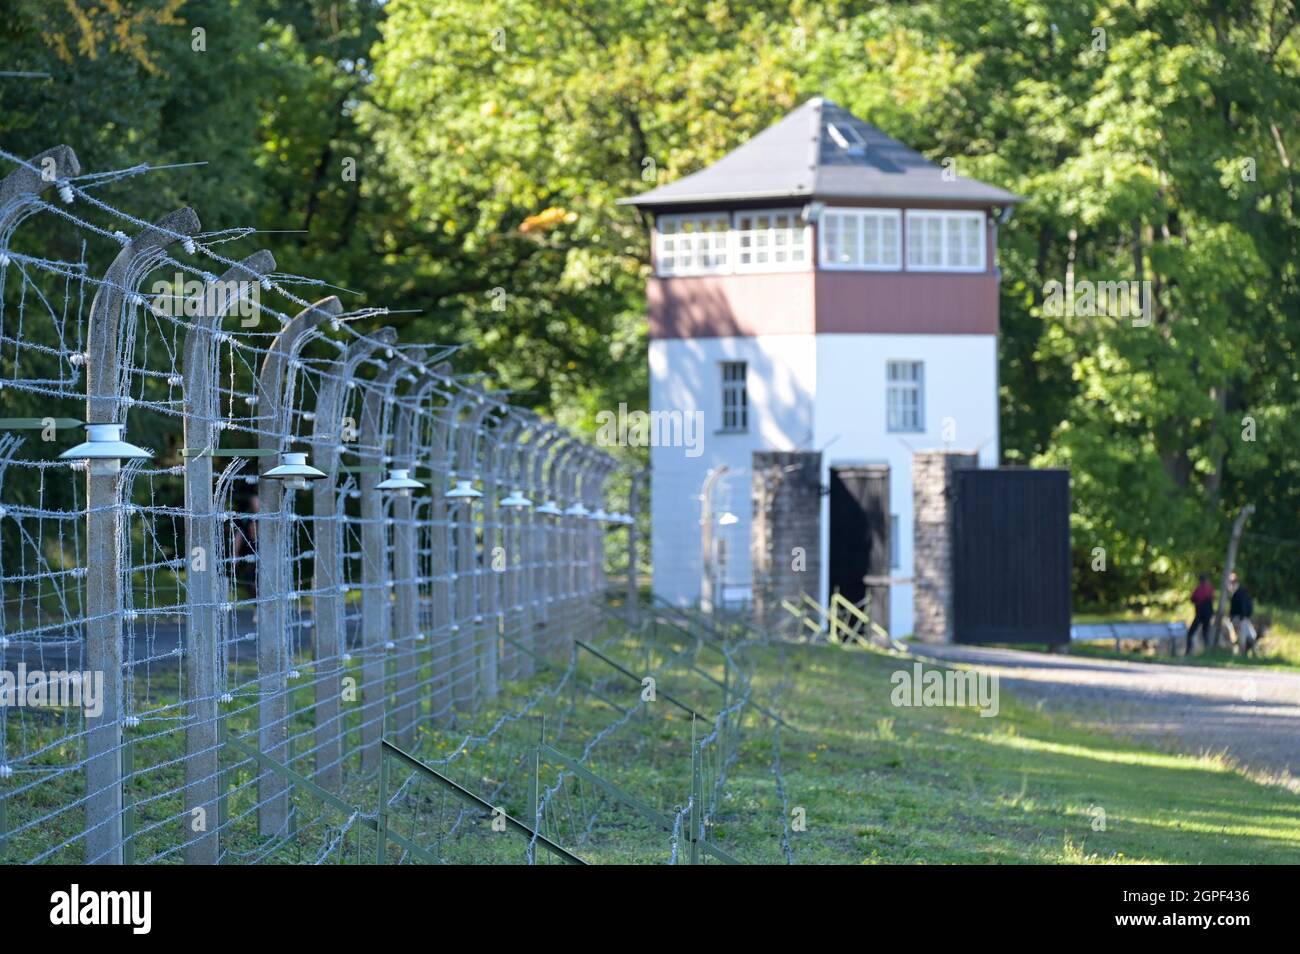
x=1203, y=604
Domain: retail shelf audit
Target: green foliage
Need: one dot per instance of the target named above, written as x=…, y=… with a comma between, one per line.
x=1130, y=145
x=514, y=127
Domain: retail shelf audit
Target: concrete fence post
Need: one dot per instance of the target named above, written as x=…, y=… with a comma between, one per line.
x=329, y=431
x=375, y=575
x=20, y=197
x=466, y=666
x=105, y=550
x=406, y=541
x=577, y=539
x=540, y=530
x=202, y=428
x=519, y=580
x=557, y=560
x=485, y=576
x=582, y=533
x=274, y=407
x=573, y=527
x=445, y=629
x=595, y=471
x=602, y=530
x=498, y=440
x=20, y=193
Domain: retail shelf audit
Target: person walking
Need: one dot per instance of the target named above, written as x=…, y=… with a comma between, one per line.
x=1203, y=605
x=1240, y=610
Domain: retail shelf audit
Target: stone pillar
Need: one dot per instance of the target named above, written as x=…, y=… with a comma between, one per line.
x=785, y=536
x=932, y=496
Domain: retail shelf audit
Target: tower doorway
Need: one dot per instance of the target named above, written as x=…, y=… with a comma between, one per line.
x=859, y=536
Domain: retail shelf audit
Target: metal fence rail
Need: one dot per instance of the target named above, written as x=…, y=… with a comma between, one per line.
x=279, y=530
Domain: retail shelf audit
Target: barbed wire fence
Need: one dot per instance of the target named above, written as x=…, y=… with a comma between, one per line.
x=350, y=543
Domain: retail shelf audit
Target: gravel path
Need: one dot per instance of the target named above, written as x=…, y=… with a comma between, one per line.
x=1251, y=714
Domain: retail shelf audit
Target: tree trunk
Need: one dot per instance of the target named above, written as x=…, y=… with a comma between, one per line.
x=1212, y=638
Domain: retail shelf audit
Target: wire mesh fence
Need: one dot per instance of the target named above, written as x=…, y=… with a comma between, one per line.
x=625, y=754
x=282, y=541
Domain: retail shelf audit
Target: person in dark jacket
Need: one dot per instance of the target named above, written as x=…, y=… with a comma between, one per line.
x=1203, y=604
x=1240, y=610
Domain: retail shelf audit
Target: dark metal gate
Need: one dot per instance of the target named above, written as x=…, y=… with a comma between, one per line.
x=859, y=531
x=1011, y=556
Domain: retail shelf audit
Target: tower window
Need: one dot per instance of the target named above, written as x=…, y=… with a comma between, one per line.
x=735, y=399
x=771, y=241
x=693, y=244
x=904, y=396
x=945, y=241
x=860, y=239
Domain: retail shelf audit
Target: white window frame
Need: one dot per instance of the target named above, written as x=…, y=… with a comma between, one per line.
x=796, y=230
x=694, y=239
x=739, y=407
x=861, y=215
x=917, y=384
x=944, y=217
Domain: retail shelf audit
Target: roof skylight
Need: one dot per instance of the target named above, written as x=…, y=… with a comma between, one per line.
x=847, y=138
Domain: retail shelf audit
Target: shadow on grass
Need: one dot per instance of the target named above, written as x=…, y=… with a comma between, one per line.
x=1025, y=786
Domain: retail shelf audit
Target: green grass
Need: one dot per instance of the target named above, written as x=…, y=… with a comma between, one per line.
x=875, y=783
x=882, y=784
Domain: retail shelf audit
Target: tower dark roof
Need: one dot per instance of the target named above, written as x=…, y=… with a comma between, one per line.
x=820, y=151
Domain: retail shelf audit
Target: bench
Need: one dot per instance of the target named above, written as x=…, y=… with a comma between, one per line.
x=1169, y=633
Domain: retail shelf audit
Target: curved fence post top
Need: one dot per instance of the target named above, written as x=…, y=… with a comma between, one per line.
x=403, y=365
x=362, y=349
x=563, y=467
x=328, y=427
x=596, y=474
x=363, y=346
x=589, y=469
x=171, y=228
x=413, y=370
x=293, y=333
x=445, y=428
x=376, y=423
x=412, y=363
x=467, y=433
x=409, y=414
x=208, y=319
x=272, y=408
x=198, y=359
x=20, y=188
x=541, y=447
x=380, y=388
x=516, y=425
x=501, y=432
x=104, y=359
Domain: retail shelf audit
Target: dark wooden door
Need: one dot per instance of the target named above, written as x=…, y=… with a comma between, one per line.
x=1011, y=556
x=859, y=544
